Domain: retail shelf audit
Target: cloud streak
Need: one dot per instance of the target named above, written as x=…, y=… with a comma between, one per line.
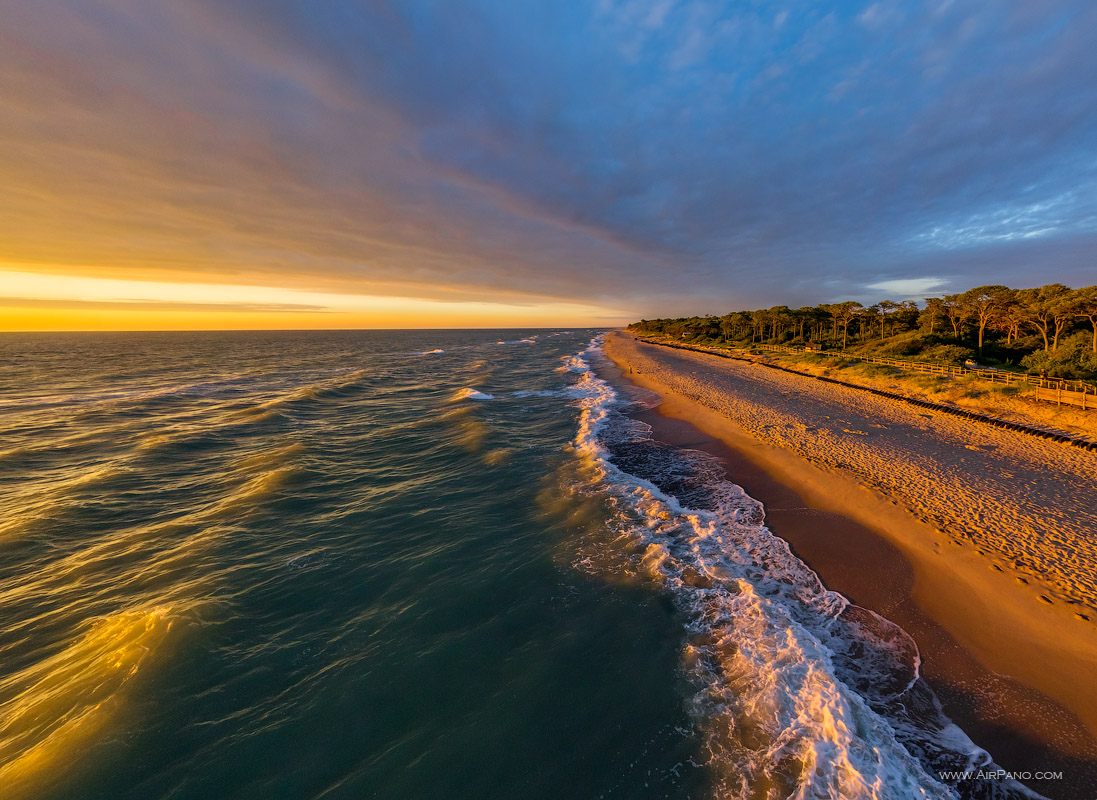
x=659, y=156
x=157, y=305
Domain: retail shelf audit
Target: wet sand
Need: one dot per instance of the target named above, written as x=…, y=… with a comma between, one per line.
x=1019, y=675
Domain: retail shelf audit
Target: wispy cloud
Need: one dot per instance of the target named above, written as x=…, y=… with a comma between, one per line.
x=903, y=288
x=158, y=305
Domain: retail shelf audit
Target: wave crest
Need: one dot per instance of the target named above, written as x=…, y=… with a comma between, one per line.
x=468, y=393
x=799, y=693
x=52, y=712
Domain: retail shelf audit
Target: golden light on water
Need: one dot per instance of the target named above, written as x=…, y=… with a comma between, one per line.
x=56, y=709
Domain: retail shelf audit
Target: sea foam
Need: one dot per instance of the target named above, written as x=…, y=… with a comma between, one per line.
x=468, y=393
x=796, y=688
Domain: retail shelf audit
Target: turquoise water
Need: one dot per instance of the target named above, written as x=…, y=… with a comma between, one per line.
x=302, y=565
x=432, y=564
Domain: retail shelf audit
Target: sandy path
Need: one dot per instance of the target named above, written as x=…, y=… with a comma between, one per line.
x=1028, y=504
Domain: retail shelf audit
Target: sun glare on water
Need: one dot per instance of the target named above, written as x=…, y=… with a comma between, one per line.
x=52, y=712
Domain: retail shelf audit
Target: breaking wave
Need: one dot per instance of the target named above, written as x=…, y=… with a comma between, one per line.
x=798, y=692
x=468, y=393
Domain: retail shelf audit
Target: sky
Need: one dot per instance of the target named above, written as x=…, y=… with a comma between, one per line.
x=465, y=163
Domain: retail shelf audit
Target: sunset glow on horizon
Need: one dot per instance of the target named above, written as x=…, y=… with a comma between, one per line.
x=58, y=302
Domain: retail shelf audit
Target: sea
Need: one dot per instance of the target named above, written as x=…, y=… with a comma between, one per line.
x=415, y=564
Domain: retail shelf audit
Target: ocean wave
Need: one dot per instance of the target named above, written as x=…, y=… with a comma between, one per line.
x=344, y=383
x=577, y=365
x=799, y=693
x=54, y=711
x=539, y=393
x=110, y=398
x=567, y=392
x=309, y=560
x=428, y=352
x=468, y=393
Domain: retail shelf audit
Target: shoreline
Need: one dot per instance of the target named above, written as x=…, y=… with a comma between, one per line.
x=1024, y=695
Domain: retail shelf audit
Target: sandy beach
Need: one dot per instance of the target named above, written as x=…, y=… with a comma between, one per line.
x=979, y=541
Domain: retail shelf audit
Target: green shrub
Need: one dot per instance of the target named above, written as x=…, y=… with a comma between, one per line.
x=876, y=370
x=904, y=345
x=1074, y=359
x=948, y=353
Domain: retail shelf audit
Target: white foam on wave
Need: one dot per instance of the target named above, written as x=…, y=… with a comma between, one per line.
x=469, y=393
x=577, y=365
x=430, y=352
x=789, y=674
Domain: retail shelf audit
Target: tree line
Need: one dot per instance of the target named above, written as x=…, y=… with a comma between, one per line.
x=1050, y=328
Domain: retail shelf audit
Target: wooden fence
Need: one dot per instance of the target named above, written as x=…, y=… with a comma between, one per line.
x=1087, y=400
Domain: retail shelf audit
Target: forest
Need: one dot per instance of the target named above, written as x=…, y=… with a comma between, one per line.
x=1048, y=329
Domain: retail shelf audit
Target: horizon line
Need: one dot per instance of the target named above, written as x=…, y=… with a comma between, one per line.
x=308, y=330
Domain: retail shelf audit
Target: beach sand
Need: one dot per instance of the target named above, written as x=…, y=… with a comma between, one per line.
x=979, y=541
